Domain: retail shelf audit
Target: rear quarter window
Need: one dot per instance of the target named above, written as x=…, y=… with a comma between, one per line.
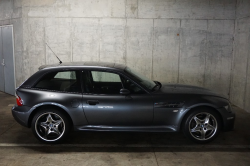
x=65, y=81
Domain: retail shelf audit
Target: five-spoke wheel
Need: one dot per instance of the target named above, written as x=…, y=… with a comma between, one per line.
x=201, y=125
x=50, y=125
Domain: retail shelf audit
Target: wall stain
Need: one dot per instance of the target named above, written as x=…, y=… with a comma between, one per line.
x=133, y=8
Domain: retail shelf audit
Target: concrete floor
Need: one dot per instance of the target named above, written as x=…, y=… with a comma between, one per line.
x=19, y=147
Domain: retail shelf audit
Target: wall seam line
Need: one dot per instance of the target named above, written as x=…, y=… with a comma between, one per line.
x=125, y=8
x=235, y=7
x=153, y=41
x=134, y=18
x=71, y=39
x=232, y=60
x=179, y=53
x=204, y=76
x=137, y=9
x=125, y=37
x=247, y=67
x=100, y=32
x=44, y=36
x=125, y=42
x=243, y=17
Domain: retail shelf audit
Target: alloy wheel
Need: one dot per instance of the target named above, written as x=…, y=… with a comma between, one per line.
x=49, y=126
x=203, y=126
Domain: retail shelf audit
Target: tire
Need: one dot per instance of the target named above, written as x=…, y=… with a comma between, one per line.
x=202, y=125
x=50, y=125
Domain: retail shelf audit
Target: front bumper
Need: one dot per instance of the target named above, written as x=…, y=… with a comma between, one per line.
x=228, y=119
x=21, y=114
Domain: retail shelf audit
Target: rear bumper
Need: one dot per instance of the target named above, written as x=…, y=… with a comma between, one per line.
x=21, y=114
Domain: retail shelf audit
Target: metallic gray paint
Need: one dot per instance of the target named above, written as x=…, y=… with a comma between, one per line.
x=159, y=111
x=113, y=110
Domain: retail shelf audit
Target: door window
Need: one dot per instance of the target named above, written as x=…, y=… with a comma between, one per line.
x=133, y=88
x=100, y=82
x=105, y=77
x=66, y=81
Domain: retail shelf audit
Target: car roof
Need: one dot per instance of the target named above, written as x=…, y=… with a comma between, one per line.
x=84, y=64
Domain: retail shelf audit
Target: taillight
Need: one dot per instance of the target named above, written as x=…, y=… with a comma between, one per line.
x=19, y=101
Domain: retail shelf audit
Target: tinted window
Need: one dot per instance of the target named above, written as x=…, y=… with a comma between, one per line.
x=144, y=81
x=71, y=75
x=66, y=81
x=105, y=77
x=133, y=88
x=102, y=83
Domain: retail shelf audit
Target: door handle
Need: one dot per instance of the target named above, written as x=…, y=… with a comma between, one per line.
x=3, y=63
x=92, y=102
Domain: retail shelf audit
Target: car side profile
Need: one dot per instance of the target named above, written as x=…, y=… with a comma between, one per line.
x=98, y=96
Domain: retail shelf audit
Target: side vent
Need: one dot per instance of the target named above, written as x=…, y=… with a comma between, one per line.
x=169, y=104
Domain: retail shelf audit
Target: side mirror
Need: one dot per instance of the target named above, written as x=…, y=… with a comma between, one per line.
x=124, y=92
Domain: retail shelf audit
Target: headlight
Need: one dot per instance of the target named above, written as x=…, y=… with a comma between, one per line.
x=228, y=107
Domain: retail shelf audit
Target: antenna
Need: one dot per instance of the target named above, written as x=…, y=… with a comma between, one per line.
x=54, y=53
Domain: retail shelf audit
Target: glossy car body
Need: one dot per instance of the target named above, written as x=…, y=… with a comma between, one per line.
x=160, y=110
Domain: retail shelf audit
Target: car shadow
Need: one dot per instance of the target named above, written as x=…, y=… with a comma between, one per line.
x=141, y=142
x=237, y=140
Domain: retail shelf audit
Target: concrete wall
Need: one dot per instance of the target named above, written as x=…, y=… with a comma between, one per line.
x=240, y=88
x=171, y=41
x=174, y=41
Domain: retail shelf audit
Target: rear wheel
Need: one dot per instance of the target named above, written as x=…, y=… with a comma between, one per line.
x=50, y=125
x=202, y=125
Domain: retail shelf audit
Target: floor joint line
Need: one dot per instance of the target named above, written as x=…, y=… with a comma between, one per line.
x=8, y=129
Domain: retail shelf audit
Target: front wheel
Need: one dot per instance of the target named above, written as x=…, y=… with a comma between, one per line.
x=50, y=125
x=202, y=125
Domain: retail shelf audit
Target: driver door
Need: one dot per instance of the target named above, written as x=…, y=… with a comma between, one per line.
x=104, y=105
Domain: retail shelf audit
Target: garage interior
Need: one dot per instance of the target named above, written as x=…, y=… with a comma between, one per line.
x=197, y=42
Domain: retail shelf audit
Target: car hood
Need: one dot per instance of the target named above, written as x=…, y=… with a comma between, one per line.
x=186, y=89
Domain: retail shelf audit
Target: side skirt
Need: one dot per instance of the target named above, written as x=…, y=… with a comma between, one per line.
x=127, y=128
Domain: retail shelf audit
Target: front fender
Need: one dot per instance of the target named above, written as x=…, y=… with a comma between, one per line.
x=215, y=103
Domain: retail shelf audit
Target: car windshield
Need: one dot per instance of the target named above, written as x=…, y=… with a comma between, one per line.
x=144, y=81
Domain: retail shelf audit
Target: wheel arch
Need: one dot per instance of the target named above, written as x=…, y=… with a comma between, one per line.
x=190, y=109
x=38, y=107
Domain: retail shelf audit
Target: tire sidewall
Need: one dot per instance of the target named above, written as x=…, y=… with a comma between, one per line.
x=58, y=112
x=189, y=117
